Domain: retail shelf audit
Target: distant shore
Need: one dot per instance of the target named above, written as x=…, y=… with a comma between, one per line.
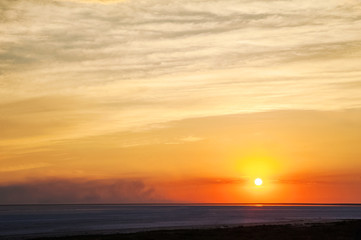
x=328, y=230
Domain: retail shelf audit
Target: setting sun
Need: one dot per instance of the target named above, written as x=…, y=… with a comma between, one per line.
x=258, y=181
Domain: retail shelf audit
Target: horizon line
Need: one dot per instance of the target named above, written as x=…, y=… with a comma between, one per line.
x=184, y=204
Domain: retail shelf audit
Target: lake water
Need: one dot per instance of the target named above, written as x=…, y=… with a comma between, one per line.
x=52, y=220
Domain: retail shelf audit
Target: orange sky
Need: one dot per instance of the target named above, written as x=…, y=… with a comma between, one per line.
x=168, y=101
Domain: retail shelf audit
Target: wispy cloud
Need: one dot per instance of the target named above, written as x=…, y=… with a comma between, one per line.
x=191, y=139
x=146, y=61
x=20, y=167
x=213, y=181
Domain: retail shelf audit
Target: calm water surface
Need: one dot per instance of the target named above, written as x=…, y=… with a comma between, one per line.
x=72, y=219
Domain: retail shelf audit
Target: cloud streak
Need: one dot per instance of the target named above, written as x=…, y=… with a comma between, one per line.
x=107, y=44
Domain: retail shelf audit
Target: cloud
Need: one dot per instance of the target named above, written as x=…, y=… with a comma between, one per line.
x=42, y=118
x=130, y=65
x=21, y=167
x=311, y=178
x=213, y=181
x=191, y=139
x=188, y=139
x=170, y=38
x=96, y=1
x=78, y=191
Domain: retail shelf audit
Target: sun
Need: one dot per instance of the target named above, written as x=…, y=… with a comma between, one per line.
x=258, y=181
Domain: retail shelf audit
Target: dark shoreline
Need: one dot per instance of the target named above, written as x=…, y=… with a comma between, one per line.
x=346, y=229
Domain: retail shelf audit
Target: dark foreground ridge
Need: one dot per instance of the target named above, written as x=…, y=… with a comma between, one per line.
x=325, y=231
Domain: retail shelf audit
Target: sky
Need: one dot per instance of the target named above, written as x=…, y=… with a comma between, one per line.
x=166, y=101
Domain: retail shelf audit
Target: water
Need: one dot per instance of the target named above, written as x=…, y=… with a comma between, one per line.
x=52, y=220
